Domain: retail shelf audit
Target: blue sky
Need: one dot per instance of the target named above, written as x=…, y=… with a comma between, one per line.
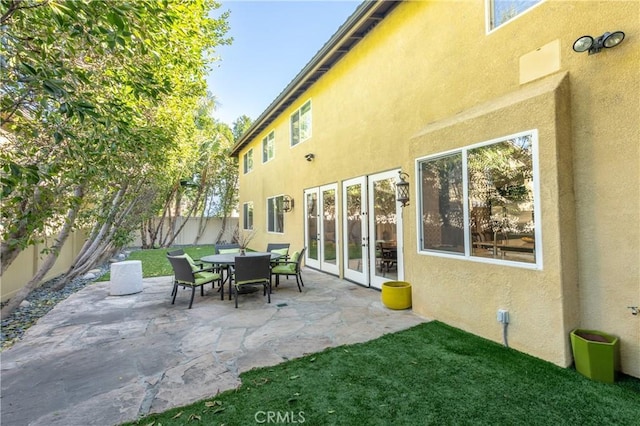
x=273, y=41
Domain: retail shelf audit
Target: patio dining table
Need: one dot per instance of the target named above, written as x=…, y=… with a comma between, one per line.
x=229, y=259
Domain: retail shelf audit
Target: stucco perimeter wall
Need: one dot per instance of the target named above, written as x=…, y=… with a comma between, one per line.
x=25, y=266
x=543, y=303
x=29, y=260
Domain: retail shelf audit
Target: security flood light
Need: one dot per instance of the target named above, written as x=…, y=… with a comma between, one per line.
x=587, y=43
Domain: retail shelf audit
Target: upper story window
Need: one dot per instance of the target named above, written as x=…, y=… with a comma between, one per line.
x=481, y=201
x=301, y=124
x=267, y=147
x=501, y=11
x=247, y=161
x=275, y=214
x=247, y=216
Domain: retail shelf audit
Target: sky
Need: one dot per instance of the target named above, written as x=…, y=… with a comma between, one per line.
x=273, y=41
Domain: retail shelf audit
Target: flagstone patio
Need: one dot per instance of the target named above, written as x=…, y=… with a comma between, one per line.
x=97, y=359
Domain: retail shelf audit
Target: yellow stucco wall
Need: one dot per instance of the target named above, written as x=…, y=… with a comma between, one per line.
x=429, y=78
x=543, y=302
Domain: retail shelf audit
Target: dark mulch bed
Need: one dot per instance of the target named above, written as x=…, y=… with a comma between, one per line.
x=38, y=303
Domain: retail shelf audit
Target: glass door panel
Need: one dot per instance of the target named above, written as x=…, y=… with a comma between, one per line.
x=329, y=240
x=311, y=227
x=355, y=230
x=385, y=230
x=321, y=226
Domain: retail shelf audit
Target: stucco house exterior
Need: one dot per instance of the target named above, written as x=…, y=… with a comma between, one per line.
x=521, y=154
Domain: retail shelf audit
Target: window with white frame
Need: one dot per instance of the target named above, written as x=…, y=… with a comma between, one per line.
x=301, y=124
x=247, y=215
x=267, y=147
x=502, y=11
x=247, y=160
x=480, y=201
x=275, y=214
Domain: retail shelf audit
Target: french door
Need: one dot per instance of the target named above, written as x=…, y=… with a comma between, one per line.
x=385, y=230
x=321, y=228
x=372, y=230
x=355, y=230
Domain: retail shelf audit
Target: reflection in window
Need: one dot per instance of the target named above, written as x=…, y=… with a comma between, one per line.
x=275, y=214
x=301, y=124
x=312, y=225
x=247, y=160
x=386, y=228
x=247, y=215
x=501, y=198
x=354, y=226
x=329, y=225
x=268, y=147
x=499, y=203
x=442, y=204
x=502, y=11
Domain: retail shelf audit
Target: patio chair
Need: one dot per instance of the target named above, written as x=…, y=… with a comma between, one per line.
x=289, y=267
x=280, y=248
x=250, y=271
x=389, y=257
x=197, y=262
x=186, y=274
x=225, y=249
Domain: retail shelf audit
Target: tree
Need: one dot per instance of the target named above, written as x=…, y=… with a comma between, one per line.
x=88, y=92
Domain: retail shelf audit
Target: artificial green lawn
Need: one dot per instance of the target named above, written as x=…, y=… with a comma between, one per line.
x=429, y=374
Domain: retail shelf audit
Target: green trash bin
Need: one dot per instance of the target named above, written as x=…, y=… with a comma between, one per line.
x=595, y=354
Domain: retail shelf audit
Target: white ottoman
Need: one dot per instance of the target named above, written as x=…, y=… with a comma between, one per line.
x=126, y=278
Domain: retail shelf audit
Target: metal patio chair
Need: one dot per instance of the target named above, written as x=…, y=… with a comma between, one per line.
x=250, y=271
x=186, y=274
x=291, y=267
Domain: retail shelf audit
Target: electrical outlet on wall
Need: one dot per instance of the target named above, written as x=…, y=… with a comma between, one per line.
x=503, y=316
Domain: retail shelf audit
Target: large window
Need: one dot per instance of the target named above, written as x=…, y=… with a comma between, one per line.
x=480, y=201
x=301, y=124
x=501, y=11
x=247, y=161
x=267, y=147
x=442, y=203
x=247, y=215
x=275, y=214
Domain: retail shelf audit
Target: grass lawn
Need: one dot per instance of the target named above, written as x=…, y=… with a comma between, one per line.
x=429, y=374
x=155, y=263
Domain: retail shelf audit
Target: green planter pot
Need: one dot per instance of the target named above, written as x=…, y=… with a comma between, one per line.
x=396, y=294
x=596, y=354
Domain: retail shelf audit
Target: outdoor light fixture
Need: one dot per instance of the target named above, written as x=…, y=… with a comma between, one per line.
x=309, y=157
x=287, y=203
x=185, y=183
x=606, y=40
x=402, y=189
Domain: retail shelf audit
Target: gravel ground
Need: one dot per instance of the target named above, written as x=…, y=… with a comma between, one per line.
x=38, y=303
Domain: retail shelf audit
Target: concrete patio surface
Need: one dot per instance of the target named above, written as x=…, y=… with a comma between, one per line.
x=97, y=359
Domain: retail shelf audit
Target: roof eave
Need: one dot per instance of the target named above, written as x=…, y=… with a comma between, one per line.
x=364, y=18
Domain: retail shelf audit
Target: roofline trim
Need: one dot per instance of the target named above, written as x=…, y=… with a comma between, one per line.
x=320, y=64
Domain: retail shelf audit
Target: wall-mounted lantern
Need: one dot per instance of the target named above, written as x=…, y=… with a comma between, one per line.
x=186, y=183
x=402, y=189
x=287, y=203
x=606, y=40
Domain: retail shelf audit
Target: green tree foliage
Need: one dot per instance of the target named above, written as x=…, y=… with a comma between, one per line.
x=98, y=95
x=205, y=182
